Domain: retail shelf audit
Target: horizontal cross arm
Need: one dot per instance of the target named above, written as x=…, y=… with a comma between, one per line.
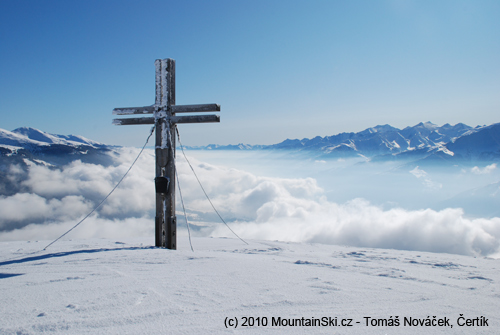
x=195, y=108
x=195, y=118
x=175, y=109
x=134, y=120
x=173, y=119
x=134, y=110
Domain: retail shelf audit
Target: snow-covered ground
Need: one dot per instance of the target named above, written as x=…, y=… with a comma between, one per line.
x=102, y=286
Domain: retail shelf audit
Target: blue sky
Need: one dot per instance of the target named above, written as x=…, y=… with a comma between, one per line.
x=279, y=68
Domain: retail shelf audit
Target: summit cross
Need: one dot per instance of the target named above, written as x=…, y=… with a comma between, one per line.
x=165, y=120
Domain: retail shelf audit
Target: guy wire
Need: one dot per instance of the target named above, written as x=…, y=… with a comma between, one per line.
x=114, y=188
x=203, y=189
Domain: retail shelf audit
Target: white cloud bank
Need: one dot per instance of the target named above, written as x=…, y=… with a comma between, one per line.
x=486, y=170
x=256, y=208
x=357, y=223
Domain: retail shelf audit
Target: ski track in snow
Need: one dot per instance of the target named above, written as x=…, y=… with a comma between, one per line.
x=128, y=287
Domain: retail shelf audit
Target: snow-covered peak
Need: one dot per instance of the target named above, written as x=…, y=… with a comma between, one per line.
x=427, y=125
x=28, y=134
x=41, y=136
x=379, y=129
x=26, y=137
x=36, y=135
x=384, y=128
x=17, y=139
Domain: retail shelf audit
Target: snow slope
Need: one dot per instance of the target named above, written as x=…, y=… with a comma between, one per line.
x=26, y=137
x=128, y=287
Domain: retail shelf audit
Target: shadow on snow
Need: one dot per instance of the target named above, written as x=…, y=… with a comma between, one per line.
x=63, y=254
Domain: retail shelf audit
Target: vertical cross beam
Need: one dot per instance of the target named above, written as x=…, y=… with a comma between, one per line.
x=165, y=220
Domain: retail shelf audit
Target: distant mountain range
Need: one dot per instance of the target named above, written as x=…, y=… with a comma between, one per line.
x=423, y=141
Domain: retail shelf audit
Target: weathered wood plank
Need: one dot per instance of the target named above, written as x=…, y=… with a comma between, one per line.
x=134, y=120
x=195, y=119
x=134, y=110
x=173, y=119
x=158, y=82
x=196, y=108
x=170, y=82
x=160, y=160
x=169, y=202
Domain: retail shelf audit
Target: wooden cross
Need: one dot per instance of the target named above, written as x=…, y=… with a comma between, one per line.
x=164, y=111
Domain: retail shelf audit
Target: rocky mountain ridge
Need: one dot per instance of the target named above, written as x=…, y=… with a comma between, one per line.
x=384, y=142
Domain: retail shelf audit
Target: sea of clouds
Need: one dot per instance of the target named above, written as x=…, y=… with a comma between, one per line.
x=255, y=207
